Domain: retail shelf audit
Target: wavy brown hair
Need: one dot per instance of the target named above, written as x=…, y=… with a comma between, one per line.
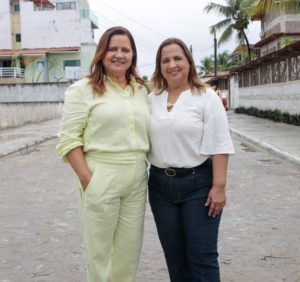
x=97, y=70
x=160, y=83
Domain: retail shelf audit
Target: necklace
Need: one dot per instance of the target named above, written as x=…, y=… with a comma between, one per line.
x=170, y=106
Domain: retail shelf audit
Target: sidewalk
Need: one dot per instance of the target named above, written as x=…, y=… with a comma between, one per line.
x=280, y=139
x=27, y=137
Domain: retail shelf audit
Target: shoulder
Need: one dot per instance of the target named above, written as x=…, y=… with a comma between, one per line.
x=80, y=89
x=209, y=95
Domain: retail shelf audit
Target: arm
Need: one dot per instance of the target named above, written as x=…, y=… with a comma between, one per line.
x=79, y=165
x=216, y=197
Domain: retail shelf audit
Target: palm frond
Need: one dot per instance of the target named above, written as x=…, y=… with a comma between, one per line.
x=220, y=25
x=226, y=35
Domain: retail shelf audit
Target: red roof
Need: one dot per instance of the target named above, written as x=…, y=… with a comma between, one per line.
x=43, y=3
x=38, y=51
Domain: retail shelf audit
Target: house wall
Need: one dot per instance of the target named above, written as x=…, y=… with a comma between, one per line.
x=283, y=96
x=275, y=44
x=53, y=28
x=5, y=25
x=34, y=71
x=279, y=21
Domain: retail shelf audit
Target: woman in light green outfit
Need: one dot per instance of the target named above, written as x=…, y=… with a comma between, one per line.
x=104, y=136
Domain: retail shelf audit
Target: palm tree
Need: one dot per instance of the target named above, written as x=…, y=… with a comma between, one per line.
x=224, y=61
x=266, y=5
x=206, y=65
x=237, y=15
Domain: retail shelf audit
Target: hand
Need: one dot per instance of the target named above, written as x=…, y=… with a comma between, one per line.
x=216, y=200
x=85, y=182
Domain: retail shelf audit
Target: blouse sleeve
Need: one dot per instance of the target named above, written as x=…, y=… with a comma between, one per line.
x=75, y=114
x=216, y=136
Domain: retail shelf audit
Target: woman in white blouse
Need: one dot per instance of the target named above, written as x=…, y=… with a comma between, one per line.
x=190, y=144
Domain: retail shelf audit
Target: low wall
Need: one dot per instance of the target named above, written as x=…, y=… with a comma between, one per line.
x=283, y=96
x=33, y=92
x=28, y=103
x=17, y=114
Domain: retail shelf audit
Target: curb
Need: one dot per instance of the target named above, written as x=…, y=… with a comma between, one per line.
x=28, y=147
x=275, y=151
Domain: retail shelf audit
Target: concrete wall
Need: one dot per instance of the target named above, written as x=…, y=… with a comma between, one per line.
x=53, y=28
x=26, y=103
x=31, y=93
x=17, y=114
x=5, y=25
x=283, y=96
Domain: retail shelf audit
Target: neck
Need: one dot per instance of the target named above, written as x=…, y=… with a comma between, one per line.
x=119, y=79
x=178, y=88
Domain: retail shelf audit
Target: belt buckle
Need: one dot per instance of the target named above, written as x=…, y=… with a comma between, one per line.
x=170, y=171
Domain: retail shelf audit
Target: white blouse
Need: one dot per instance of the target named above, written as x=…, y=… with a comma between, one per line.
x=192, y=131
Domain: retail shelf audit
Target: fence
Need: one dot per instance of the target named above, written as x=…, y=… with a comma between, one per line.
x=11, y=72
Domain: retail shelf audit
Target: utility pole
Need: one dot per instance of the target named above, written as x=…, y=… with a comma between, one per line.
x=215, y=51
x=191, y=49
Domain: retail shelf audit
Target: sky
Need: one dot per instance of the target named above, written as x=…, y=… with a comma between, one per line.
x=150, y=22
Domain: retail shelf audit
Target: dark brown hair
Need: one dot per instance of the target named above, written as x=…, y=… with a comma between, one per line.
x=160, y=83
x=97, y=70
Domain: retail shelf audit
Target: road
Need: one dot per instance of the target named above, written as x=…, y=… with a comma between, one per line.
x=40, y=236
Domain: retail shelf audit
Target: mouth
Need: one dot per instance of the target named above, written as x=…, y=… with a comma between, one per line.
x=174, y=72
x=118, y=62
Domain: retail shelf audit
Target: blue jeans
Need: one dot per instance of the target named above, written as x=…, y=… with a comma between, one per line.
x=187, y=234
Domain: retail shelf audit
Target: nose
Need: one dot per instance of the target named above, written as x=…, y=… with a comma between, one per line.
x=172, y=64
x=119, y=54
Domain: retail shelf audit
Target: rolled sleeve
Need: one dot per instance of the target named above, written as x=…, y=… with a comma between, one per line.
x=216, y=135
x=75, y=114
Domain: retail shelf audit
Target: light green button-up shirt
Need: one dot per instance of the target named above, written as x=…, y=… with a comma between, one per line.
x=116, y=122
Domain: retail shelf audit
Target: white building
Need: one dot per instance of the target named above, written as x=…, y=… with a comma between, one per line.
x=45, y=24
x=39, y=25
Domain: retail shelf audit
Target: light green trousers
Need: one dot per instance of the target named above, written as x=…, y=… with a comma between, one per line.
x=112, y=216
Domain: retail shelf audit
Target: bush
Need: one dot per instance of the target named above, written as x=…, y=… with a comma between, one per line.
x=275, y=115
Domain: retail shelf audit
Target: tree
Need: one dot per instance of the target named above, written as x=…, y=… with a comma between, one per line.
x=264, y=6
x=224, y=61
x=237, y=15
x=206, y=65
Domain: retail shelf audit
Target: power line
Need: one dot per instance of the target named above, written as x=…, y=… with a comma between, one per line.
x=136, y=22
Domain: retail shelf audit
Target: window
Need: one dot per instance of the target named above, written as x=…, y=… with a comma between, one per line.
x=71, y=63
x=17, y=8
x=66, y=6
x=18, y=37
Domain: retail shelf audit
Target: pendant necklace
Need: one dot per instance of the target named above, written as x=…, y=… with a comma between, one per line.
x=170, y=106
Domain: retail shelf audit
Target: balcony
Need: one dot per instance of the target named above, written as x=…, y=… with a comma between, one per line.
x=12, y=75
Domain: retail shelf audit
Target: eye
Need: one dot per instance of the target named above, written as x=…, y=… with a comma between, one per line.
x=126, y=50
x=112, y=49
x=178, y=58
x=163, y=61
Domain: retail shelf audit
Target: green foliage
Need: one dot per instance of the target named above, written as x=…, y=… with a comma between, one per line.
x=286, y=41
x=206, y=65
x=290, y=6
x=237, y=15
x=275, y=115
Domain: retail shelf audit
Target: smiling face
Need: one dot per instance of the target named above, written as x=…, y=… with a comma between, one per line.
x=118, y=57
x=174, y=65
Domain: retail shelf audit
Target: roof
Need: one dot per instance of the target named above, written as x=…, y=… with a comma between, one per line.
x=274, y=36
x=283, y=53
x=43, y=3
x=36, y=51
x=210, y=77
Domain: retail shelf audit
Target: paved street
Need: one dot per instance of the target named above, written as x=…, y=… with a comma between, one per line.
x=40, y=236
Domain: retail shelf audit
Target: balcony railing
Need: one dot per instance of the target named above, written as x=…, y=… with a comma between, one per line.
x=11, y=72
